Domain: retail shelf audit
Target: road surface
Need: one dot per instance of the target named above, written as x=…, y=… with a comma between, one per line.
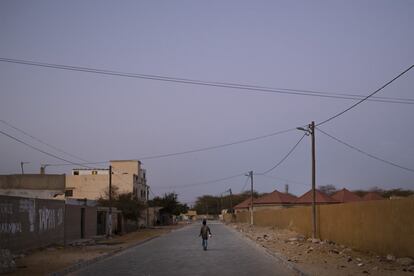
x=180, y=253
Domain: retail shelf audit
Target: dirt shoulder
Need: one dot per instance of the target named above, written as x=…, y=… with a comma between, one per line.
x=315, y=257
x=57, y=258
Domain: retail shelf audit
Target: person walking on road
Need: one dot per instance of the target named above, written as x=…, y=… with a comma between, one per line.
x=204, y=234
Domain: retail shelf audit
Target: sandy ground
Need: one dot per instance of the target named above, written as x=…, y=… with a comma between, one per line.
x=324, y=257
x=56, y=258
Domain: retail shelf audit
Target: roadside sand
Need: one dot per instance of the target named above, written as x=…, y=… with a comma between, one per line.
x=323, y=257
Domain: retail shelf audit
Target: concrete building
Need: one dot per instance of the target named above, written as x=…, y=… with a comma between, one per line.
x=127, y=177
x=42, y=186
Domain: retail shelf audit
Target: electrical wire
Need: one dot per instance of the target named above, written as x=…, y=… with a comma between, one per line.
x=199, y=149
x=202, y=183
x=245, y=183
x=366, y=153
x=42, y=142
x=42, y=151
x=285, y=157
x=366, y=98
x=230, y=85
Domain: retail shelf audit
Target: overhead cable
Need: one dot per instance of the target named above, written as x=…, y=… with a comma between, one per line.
x=366, y=153
x=245, y=87
x=366, y=98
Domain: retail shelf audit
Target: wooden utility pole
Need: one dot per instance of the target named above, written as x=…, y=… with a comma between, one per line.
x=231, y=202
x=251, y=197
x=312, y=132
x=110, y=203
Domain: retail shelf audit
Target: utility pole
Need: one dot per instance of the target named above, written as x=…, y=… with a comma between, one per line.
x=110, y=203
x=231, y=201
x=22, y=164
x=251, y=197
x=312, y=132
x=147, y=206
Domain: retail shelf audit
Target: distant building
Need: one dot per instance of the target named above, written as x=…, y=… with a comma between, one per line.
x=42, y=186
x=127, y=176
x=320, y=198
x=274, y=200
x=372, y=196
x=345, y=196
x=243, y=206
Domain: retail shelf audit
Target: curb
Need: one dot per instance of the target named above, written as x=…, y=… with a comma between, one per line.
x=278, y=256
x=83, y=264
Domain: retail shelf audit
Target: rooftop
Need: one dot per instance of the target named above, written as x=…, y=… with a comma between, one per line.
x=276, y=197
x=372, y=196
x=320, y=198
x=345, y=195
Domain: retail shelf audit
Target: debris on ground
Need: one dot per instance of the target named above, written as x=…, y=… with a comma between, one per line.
x=324, y=257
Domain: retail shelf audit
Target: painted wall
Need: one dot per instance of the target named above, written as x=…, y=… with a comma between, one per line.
x=27, y=223
x=73, y=222
x=382, y=226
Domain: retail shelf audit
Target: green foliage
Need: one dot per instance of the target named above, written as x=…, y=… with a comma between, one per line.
x=385, y=193
x=170, y=204
x=327, y=189
x=130, y=206
x=208, y=204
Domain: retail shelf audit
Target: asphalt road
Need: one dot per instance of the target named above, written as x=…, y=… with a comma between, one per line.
x=180, y=253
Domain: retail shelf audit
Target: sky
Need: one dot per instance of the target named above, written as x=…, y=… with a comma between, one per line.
x=351, y=47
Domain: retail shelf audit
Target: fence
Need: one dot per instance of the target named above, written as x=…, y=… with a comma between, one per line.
x=27, y=223
x=382, y=226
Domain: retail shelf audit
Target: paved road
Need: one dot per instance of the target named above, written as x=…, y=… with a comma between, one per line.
x=180, y=253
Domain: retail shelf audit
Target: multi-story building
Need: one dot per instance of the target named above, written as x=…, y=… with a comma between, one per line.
x=127, y=177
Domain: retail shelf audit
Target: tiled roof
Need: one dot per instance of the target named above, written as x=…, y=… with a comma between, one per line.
x=372, y=196
x=244, y=204
x=276, y=197
x=345, y=195
x=320, y=198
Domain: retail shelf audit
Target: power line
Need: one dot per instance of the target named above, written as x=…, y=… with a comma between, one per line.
x=203, y=183
x=367, y=97
x=199, y=149
x=366, y=153
x=245, y=183
x=42, y=142
x=285, y=157
x=40, y=150
x=230, y=85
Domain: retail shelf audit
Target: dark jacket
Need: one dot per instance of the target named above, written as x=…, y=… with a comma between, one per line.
x=204, y=231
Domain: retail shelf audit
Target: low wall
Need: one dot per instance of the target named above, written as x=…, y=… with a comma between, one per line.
x=27, y=223
x=73, y=222
x=382, y=226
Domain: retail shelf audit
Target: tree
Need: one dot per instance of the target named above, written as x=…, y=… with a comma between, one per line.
x=170, y=204
x=327, y=189
x=130, y=206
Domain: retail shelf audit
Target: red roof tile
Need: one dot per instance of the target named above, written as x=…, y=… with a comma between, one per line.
x=345, y=195
x=244, y=204
x=372, y=196
x=276, y=197
x=320, y=198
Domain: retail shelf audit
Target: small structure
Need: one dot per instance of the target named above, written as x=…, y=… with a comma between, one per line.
x=320, y=198
x=243, y=206
x=372, y=196
x=345, y=196
x=274, y=200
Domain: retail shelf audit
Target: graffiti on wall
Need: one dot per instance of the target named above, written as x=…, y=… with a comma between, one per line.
x=29, y=206
x=50, y=218
x=10, y=228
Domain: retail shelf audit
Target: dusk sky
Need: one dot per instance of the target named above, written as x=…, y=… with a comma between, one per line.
x=336, y=47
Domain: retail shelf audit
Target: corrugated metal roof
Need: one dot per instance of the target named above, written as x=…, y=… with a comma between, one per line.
x=320, y=198
x=276, y=197
x=345, y=195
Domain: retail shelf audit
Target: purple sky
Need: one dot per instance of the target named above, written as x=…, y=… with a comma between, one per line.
x=332, y=46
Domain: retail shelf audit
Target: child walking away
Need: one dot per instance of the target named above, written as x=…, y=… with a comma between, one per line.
x=205, y=233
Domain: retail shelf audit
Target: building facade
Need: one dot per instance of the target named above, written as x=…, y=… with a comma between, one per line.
x=127, y=177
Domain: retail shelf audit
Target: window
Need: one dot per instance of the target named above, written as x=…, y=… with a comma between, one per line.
x=75, y=172
x=69, y=193
x=94, y=172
